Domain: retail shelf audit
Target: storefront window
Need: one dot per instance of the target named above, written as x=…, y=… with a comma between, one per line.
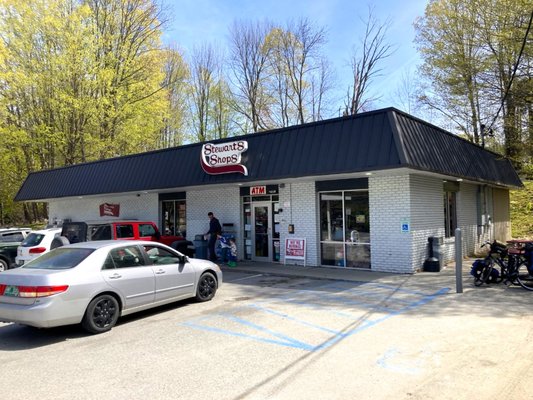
x=174, y=217
x=345, y=229
x=450, y=215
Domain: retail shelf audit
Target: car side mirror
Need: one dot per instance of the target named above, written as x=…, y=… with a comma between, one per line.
x=183, y=259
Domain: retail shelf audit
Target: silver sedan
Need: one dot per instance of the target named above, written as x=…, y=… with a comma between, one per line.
x=94, y=283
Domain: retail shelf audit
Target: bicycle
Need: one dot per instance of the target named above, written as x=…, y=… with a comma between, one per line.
x=484, y=271
x=522, y=253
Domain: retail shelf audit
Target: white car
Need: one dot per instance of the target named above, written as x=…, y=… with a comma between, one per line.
x=12, y=235
x=35, y=244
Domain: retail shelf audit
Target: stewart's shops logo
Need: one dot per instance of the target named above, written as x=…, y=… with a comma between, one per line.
x=223, y=158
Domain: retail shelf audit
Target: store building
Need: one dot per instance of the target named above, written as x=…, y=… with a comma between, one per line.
x=364, y=191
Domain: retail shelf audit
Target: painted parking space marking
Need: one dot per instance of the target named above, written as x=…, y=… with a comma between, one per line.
x=312, y=320
x=245, y=278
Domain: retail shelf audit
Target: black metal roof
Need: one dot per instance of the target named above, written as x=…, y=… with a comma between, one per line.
x=375, y=140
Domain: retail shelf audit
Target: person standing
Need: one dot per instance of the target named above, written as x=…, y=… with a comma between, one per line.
x=215, y=229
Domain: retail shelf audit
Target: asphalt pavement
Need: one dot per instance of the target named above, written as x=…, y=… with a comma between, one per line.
x=289, y=333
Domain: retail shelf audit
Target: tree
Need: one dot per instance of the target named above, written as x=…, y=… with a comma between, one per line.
x=505, y=27
x=175, y=82
x=365, y=63
x=321, y=86
x=471, y=51
x=79, y=80
x=130, y=64
x=405, y=93
x=299, y=78
x=211, y=103
x=249, y=62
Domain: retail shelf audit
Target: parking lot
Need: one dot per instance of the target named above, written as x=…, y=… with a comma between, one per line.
x=267, y=336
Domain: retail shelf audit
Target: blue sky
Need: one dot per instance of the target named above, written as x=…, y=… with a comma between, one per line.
x=195, y=22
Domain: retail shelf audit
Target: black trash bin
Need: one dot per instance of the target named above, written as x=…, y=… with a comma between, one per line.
x=436, y=259
x=200, y=246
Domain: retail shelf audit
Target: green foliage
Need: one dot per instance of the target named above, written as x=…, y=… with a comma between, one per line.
x=80, y=80
x=522, y=211
x=470, y=49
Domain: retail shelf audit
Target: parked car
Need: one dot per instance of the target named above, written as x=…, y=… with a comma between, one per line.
x=76, y=232
x=94, y=283
x=12, y=235
x=8, y=252
x=35, y=244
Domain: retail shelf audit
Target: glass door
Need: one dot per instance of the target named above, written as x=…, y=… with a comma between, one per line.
x=345, y=229
x=331, y=229
x=357, y=226
x=262, y=231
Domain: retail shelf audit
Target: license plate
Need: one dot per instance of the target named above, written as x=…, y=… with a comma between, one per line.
x=11, y=291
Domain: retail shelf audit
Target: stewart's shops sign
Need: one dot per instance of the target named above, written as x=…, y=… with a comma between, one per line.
x=223, y=158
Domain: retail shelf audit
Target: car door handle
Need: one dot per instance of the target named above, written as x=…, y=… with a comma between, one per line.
x=115, y=276
x=160, y=271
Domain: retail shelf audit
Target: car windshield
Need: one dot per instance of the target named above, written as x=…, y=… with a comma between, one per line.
x=60, y=258
x=33, y=239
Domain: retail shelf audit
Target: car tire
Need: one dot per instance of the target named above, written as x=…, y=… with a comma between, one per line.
x=207, y=287
x=101, y=315
x=58, y=242
x=3, y=265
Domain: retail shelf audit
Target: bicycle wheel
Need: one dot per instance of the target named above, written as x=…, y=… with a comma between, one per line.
x=484, y=273
x=478, y=273
x=511, y=272
x=524, y=278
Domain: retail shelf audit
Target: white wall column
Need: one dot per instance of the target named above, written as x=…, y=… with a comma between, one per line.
x=299, y=203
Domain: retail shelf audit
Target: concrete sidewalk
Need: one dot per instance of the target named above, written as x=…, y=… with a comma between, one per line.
x=446, y=277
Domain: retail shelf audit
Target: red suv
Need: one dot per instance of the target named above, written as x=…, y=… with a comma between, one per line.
x=75, y=232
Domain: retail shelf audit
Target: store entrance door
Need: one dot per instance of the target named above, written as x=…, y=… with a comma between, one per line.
x=261, y=231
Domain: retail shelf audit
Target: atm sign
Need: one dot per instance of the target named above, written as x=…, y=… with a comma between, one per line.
x=258, y=190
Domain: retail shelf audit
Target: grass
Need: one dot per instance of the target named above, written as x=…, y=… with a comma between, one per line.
x=522, y=211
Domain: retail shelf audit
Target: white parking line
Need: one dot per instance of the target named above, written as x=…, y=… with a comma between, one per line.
x=246, y=277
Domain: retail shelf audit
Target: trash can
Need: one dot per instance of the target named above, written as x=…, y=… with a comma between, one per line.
x=200, y=246
x=435, y=261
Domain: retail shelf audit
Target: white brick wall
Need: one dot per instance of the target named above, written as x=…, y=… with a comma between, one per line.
x=389, y=201
x=224, y=202
x=143, y=207
x=427, y=215
x=392, y=200
x=467, y=209
x=299, y=203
